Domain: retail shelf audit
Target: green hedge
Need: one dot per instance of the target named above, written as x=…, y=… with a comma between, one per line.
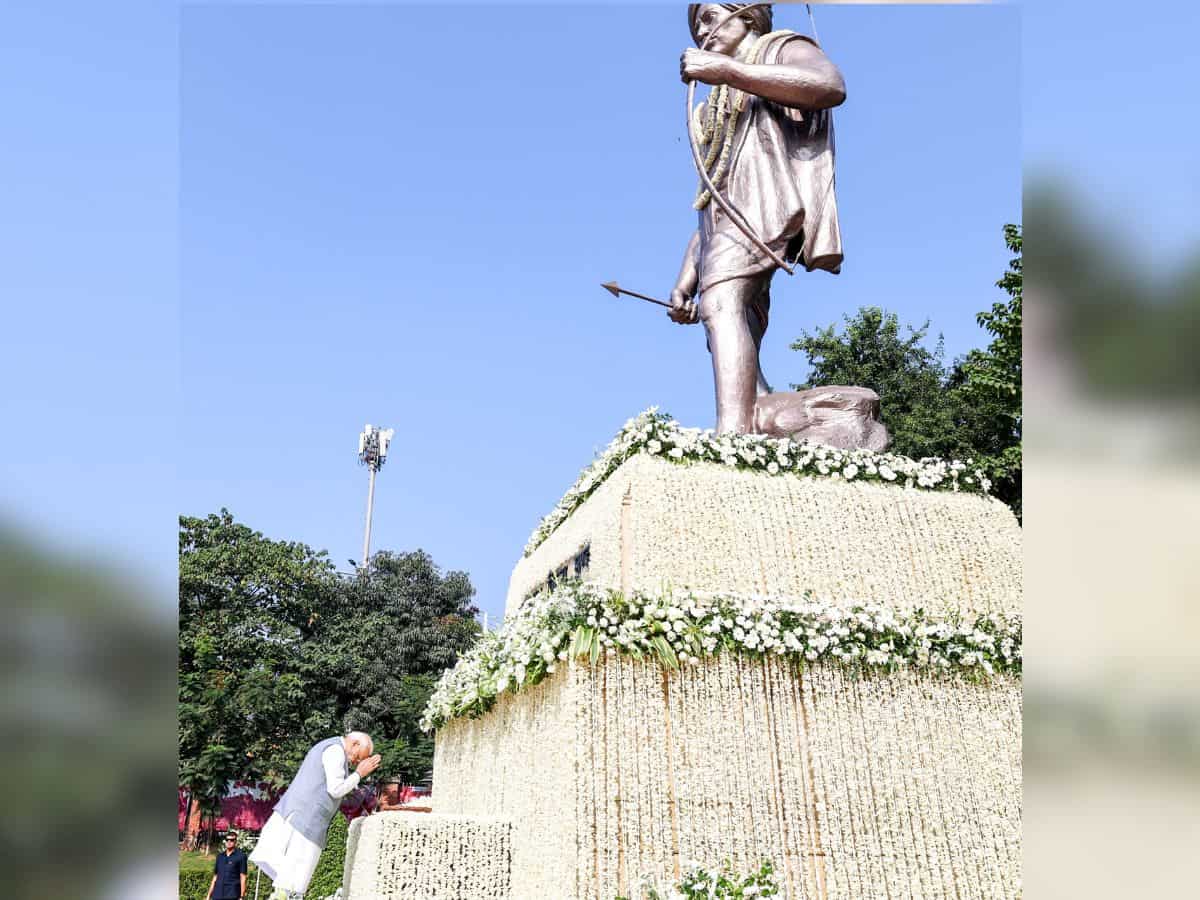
x=328, y=876
x=193, y=885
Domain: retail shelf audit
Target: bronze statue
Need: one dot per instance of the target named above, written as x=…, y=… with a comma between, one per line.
x=763, y=143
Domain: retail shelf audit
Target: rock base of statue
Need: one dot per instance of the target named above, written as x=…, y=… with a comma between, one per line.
x=836, y=416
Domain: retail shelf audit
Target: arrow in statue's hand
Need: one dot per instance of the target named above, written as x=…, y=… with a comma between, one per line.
x=616, y=290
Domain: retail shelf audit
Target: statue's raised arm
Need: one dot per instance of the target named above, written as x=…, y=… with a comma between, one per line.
x=803, y=78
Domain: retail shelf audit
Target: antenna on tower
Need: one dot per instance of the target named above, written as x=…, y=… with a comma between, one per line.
x=372, y=453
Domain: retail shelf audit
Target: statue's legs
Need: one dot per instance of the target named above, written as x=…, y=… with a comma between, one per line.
x=756, y=318
x=735, y=331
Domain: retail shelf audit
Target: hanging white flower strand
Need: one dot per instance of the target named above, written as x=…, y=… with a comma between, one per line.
x=583, y=621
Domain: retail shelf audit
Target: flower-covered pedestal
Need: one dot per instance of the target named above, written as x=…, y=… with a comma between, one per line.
x=778, y=652
x=855, y=785
x=402, y=856
x=668, y=506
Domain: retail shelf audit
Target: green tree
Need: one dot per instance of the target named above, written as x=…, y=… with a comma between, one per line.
x=996, y=371
x=247, y=606
x=399, y=625
x=986, y=385
x=277, y=651
x=873, y=351
x=968, y=411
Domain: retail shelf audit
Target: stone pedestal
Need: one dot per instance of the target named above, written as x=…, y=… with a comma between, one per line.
x=708, y=527
x=404, y=856
x=856, y=787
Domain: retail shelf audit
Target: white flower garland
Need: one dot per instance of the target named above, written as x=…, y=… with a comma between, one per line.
x=400, y=856
x=582, y=620
x=659, y=435
x=857, y=785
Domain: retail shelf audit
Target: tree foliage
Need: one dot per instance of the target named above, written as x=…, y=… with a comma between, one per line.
x=874, y=351
x=997, y=370
x=968, y=410
x=247, y=605
x=277, y=650
x=986, y=385
x=401, y=623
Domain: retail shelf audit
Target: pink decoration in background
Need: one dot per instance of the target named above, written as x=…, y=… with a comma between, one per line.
x=247, y=806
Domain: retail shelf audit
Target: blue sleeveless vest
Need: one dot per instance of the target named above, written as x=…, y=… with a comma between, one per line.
x=306, y=800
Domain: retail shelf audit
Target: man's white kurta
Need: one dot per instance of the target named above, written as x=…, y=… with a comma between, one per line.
x=286, y=856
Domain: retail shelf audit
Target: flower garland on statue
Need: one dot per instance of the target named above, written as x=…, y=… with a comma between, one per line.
x=659, y=435
x=583, y=621
x=720, y=125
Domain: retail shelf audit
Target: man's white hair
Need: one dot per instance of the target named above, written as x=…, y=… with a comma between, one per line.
x=361, y=737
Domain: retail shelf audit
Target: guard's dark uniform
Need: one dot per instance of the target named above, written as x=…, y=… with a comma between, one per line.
x=229, y=869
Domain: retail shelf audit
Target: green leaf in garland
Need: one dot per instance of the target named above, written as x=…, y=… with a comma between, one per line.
x=665, y=653
x=580, y=643
x=595, y=650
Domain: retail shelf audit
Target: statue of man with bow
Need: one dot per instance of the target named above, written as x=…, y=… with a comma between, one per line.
x=763, y=144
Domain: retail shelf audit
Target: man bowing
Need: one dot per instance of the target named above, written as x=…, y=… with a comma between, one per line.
x=294, y=836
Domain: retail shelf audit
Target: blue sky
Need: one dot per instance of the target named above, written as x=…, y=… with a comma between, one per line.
x=1105, y=100
x=237, y=233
